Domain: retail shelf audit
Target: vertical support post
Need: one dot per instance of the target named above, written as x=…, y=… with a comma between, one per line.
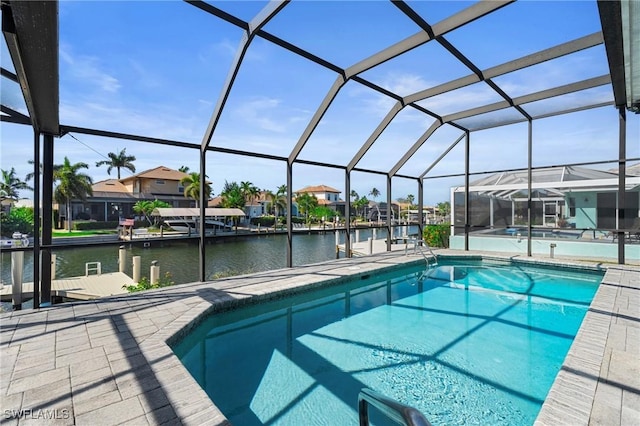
x=53, y=267
x=37, y=218
x=370, y=245
x=289, y=215
x=622, y=162
x=347, y=214
x=47, y=219
x=529, y=185
x=389, y=210
x=421, y=207
x=467, y=216
x=17, y=272
x=203, y=206
x=491, y=209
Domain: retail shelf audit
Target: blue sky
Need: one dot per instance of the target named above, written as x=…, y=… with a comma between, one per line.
x=156, y=68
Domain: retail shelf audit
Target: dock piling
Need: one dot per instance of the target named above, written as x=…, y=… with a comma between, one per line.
x=122, y=259
x=136, y=269
x=154, y=272
x=17, y=264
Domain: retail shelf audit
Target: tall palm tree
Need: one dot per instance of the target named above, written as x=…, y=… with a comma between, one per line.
x=71, y=185
x=249, y=191
x=375, y=193
x=191, y=184
x=277, y=202
x=10, y=185
x=306, y=202
x=118, y=161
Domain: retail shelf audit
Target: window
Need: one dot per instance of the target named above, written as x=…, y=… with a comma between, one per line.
x=159, y=182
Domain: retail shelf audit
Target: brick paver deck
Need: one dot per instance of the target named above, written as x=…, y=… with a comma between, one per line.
x=107, y=362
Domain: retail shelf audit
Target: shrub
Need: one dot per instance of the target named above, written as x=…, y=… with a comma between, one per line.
x=263, y=221
x=19, y=219
x=437, y=235
x=145, y=283
x=111, y=224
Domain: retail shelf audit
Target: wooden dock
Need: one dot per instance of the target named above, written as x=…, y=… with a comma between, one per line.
x=78, y=288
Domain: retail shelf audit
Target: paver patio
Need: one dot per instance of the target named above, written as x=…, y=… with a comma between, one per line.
x=107, y=361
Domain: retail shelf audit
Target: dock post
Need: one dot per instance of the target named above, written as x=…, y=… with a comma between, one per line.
x=136, y=269
x=370, y=245
x=154, y=272
x=357, y=235
x=122, y=259
x=375, y=234
x=17, y=264
x=53, y=266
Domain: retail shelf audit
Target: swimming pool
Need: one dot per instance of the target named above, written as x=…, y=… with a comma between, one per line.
x=468, y=343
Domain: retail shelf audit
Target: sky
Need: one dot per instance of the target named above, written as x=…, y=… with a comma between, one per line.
x=157, y=68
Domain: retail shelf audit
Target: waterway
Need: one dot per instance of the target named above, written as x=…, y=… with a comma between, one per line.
x=180, y=258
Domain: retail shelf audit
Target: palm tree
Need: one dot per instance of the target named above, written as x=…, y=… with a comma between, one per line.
x=355, y=197
x=72, y=185
x=119, y=161
x=277, y=202
x=249, y=191
x=146, y=208
x=375, y=194
x=184, y=169
x=360, y=204
x=191, y=184
x=232, y=197
x=444, y=208
x=10, y=185
x=306, y=202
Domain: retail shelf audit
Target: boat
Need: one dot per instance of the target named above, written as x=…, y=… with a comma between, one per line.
x=191, y=226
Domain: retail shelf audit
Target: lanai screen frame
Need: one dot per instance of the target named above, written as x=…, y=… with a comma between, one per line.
x=35, y=48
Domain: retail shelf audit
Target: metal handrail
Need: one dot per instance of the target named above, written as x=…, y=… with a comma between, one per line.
x=418, y=244
x=396, y=411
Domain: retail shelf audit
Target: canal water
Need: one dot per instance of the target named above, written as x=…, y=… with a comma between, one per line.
x=180, y=258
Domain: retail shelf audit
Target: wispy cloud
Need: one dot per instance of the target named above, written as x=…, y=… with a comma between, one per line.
x=88, y=70
x=405, y=84
x=259, y=112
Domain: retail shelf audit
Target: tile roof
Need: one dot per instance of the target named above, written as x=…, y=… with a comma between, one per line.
x=160, y=172
x=109, y=185
x=318, y=188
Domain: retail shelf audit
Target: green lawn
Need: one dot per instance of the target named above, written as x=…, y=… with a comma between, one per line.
x=64, y=233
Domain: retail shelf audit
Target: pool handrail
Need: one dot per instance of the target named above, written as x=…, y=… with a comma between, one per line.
x=396, y=411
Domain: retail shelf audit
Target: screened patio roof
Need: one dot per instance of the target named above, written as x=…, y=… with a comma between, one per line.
x=552, y=181
x=462, y=89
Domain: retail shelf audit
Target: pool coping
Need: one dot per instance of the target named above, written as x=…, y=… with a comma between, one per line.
x=111, y=358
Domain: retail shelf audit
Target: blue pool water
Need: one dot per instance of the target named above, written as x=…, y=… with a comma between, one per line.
x=467, y=344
